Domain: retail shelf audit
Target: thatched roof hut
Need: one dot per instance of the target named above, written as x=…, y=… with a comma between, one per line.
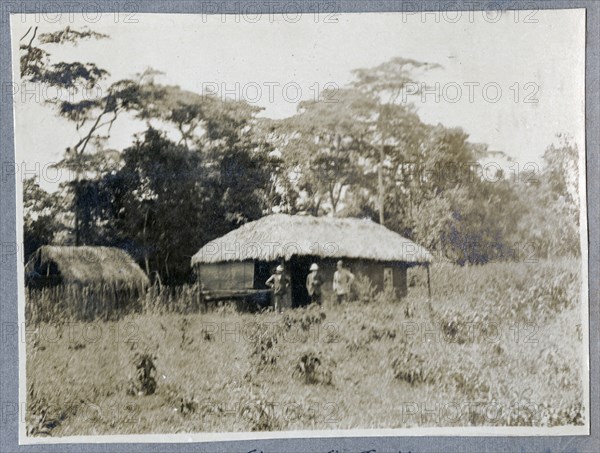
x=84, y=265
x=281, y=236
x=243, y=259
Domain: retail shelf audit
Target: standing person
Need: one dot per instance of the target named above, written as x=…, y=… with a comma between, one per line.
x=313, y=284
x=279, y=282
x=342, y=282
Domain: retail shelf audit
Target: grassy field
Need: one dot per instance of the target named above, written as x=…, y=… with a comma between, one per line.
x=496, y=345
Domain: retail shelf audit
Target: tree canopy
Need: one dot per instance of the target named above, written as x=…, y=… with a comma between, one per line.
x=206, y=165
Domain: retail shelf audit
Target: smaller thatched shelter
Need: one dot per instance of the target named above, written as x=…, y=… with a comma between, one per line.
x=85, y=265
x=243, y=259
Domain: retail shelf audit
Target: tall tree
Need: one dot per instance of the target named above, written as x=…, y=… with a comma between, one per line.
x=385, y=84
x=170, y=200
x=93, y=115
x=551, y=224
x=163, y=209
x=322, y=146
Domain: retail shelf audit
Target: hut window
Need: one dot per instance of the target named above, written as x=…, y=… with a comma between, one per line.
x=388, y=278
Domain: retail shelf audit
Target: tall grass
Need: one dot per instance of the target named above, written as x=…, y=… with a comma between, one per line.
x=357, y=365
x=530, y=292
x=66, y=303
x=506, y=290
x=78, y=303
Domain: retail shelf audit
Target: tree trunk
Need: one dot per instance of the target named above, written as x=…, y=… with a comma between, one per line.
x=77, y=239
x=381, y=126
x=77, y=204
x=380, y=182
x=146, y=261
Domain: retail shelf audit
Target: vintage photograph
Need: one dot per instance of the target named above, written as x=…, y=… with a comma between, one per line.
x=320, y=223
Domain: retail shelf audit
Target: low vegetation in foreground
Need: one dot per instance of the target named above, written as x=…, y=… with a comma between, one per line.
x=498, y=345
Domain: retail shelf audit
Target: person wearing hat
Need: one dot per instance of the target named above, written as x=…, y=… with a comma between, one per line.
x=342, y=282
x=279, y=282
x=313, y=284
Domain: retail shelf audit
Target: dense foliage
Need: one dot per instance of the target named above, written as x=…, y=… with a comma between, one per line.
x=206, y=165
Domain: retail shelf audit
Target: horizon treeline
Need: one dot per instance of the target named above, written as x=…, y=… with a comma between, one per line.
x=203, y=166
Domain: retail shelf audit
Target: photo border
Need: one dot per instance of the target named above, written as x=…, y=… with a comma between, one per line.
x=318, y=440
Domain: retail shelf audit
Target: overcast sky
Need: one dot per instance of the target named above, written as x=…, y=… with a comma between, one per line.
x=537, y=57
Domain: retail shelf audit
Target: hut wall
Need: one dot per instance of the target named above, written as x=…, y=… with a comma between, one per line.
x=227, y=276
x=249, y=275
x=384, y=274
x=394, y=272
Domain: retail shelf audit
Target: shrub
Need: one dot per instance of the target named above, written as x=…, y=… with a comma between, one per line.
x=364, y=289
x=264, y=350
x=410, y=367
x=145, y=374
x=304, y=318
x=314, y=368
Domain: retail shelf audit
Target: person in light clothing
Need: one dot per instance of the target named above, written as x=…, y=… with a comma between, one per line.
x=313, y=284
x=342, y=282
x=279, y=282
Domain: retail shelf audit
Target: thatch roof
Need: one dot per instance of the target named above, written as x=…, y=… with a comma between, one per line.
x=89, y=265
x=280, y=236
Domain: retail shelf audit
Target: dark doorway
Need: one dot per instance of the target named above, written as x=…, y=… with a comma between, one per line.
x=299, y=267
x=262, y=299
x=262, y=271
